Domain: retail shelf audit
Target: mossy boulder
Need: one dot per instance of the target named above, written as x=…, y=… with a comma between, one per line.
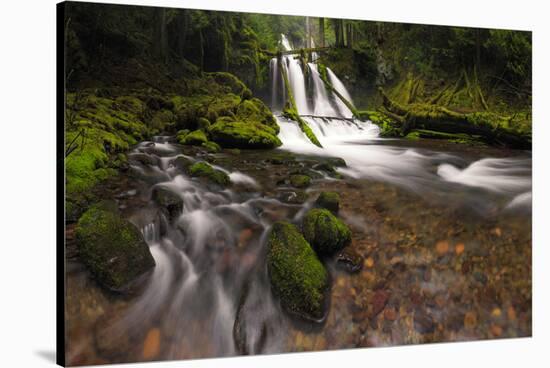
x=211, y=147
x=195, y=138
x=204, y=170
x=255, y=111
x=237, y=134
x=182, y=163
x=234, y=84
x=112, y=248
x=169, y=200
x=329, y=201
x=296, y=274
x=325, y=232
x=300, y=181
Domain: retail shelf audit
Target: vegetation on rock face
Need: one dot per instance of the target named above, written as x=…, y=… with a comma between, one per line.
x=296, y=274
x=325, y=232
x=204, y=170
x=112, y=248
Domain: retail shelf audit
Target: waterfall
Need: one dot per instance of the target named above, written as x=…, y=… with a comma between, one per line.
x=274, y=73
x=339, y=86
x=322, y=105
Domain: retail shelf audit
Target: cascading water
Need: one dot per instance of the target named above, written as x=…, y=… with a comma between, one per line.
x=370, y=157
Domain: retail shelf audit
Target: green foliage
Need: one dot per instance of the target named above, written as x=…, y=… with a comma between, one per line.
x=112, y=248
x=296, y=274
x=325, y=232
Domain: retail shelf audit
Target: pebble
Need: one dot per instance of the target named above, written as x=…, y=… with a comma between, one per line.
x=379, y=301
x=496, y=312
x=423, y=323
x=369, y=262
x=390, y=314
x=459, y=248
x=470, y=320
x=442, y=247
x=151, y=345
x=496, y=330
x=511, y=313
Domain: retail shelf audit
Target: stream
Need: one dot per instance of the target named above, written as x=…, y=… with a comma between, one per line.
x=442, y=232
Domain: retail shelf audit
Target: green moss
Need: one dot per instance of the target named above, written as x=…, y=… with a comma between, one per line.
x=204, y=170
x=234, y=84
x=195, y=138
x=203, y=123
x=211, y=147
x=243, y=135
x=255, y=111
x=292, y=113
x=300, y=181
x=325, y=232
x=329, y=201
x=296, y=274
x=112, y=248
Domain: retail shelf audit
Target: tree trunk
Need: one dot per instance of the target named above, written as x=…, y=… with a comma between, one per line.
x=321, y=32
x=160, y=40
x=487, y=126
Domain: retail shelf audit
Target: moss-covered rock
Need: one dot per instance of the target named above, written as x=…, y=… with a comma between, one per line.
x=255, y=111
x=182, y=163
x=329, y=201
x=204, y=170
x=300, y=181
x=112, y=248
x=194, y=138
x=326, y=233
x=296, y=274
x=211, y=147
x=236, y=134
x=169, y=200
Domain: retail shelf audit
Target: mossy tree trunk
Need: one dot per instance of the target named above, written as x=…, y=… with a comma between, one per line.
x=490, y=127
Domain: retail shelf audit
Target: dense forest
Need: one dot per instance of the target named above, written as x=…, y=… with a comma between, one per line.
x=243, y=183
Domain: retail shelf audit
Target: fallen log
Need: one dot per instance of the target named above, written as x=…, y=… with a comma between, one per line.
x=490, y=127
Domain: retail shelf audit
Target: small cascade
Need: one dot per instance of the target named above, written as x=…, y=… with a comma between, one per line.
x=274, y=75
x=339, y=86
x=322, y=104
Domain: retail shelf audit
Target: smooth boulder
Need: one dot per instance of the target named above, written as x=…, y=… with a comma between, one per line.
x=112, y=248
x=325, y=232
x=297, y=276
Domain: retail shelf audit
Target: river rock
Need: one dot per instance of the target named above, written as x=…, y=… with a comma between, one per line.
x=349, y=260
x=296, y=274
x=112, y=248
x=329, y=201
x=325, y=232
x=205, y=171
x=300, y=181
x=169, y=200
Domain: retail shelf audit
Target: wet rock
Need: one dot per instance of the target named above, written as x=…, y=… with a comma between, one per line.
x=300, y=181
x=459, y=248
x=369, y=262
x=423, y=322
x=326, y=233
x=293, y=197
x=143, y=159
x=442, y=247
x=112, y=248
x=296, y=274
x=182, y=163
x=470, y=320
x=205, y=171
x=329, y=201
x=169, y=200
x=349, y=260
x=390, y=314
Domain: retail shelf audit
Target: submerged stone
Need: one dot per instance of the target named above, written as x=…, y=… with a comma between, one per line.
x=112, y=248
x=296, y=274
x=325, y=232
